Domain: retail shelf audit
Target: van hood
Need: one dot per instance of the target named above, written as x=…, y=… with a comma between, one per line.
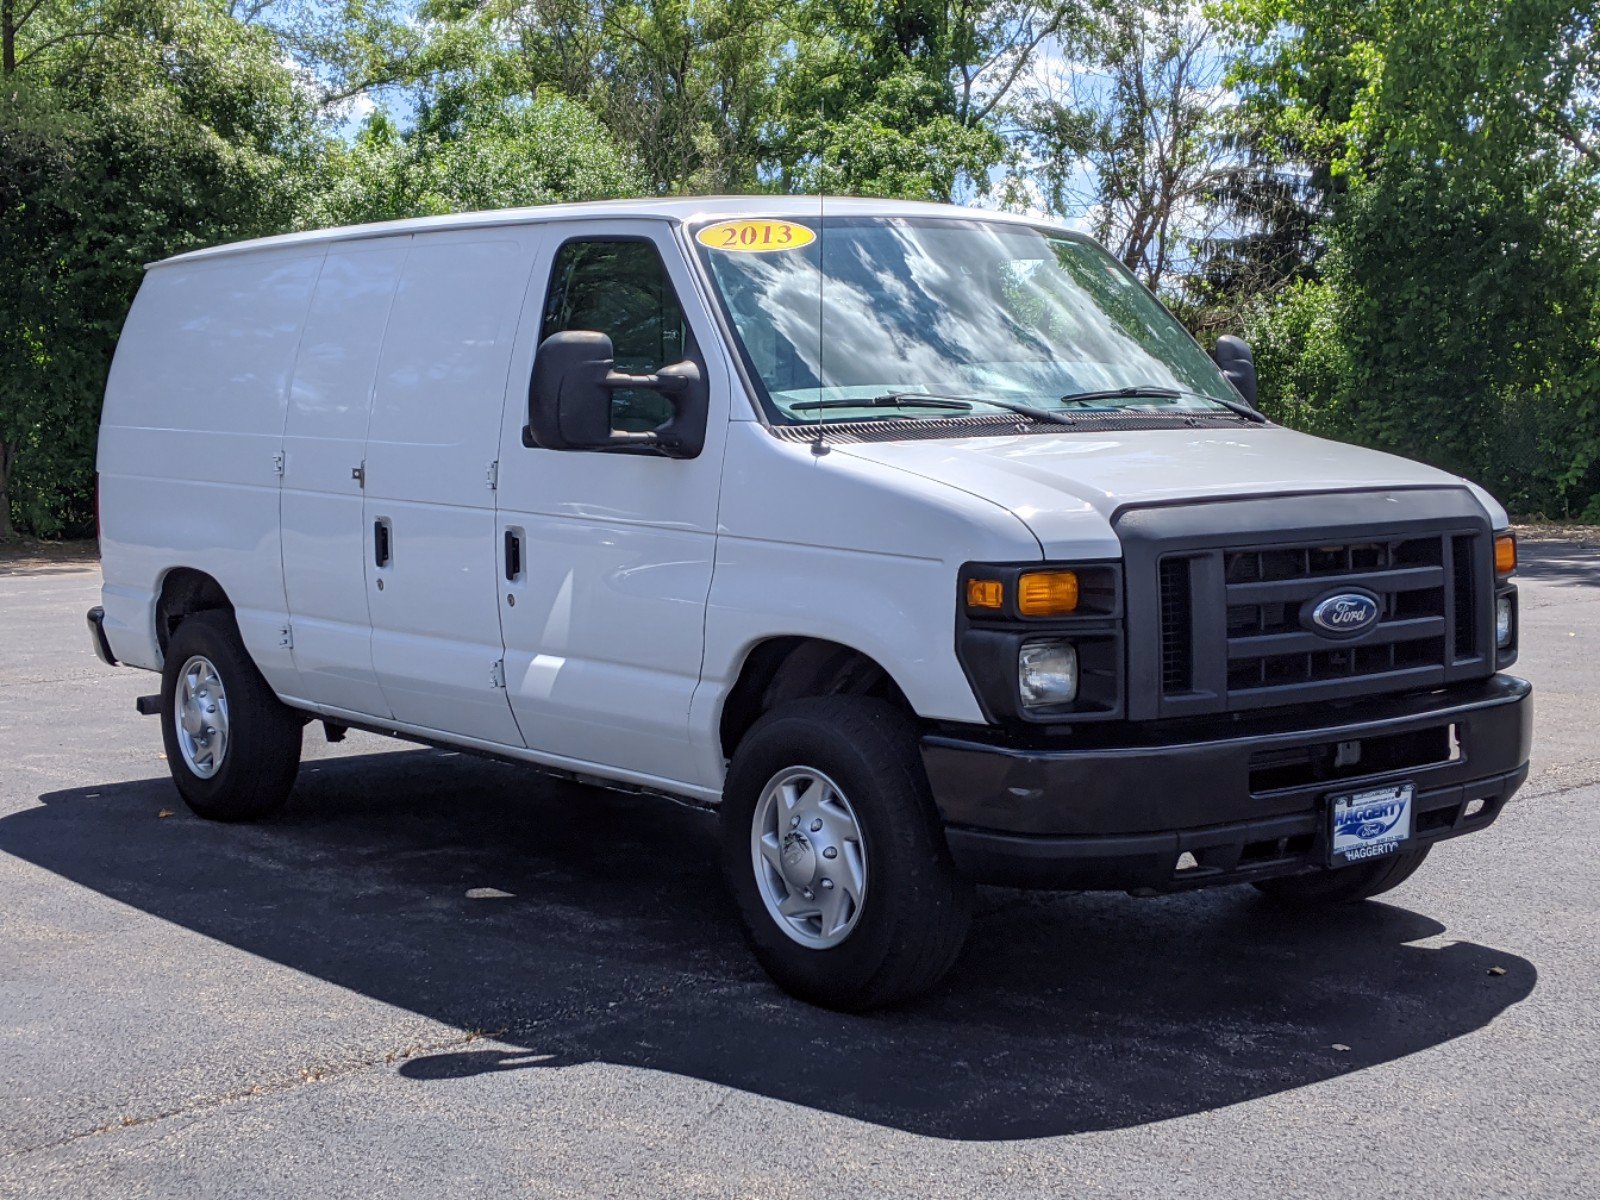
x=1067, y=487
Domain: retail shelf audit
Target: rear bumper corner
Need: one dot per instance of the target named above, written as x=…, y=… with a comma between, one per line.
x=96, y=617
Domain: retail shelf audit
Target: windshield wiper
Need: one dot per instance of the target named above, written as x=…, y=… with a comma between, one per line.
x=1161, y=393
x=1244, y=410
x=951, y=403
x=1026, y=410
x=892, y=400
x=1124, y=393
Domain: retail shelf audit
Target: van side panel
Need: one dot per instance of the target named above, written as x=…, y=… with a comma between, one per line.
x=325, y=545
x=434, y=434
x=831, y=547
x=192, y=425
x=605, y=622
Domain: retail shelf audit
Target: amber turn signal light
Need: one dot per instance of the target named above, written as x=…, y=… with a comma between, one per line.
x=985, y=593
x=1505, y=554
x=1047, y=593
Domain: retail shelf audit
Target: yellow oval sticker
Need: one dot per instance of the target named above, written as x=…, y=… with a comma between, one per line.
x=755, y=236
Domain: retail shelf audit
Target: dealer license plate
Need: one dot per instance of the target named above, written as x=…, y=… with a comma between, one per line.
x=1370, y=824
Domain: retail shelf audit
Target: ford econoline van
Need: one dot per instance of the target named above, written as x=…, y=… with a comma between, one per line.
x=920, y=541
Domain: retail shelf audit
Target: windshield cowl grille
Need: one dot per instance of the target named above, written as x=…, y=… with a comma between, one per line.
x=996, y=425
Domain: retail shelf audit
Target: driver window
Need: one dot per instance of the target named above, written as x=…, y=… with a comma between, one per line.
x=621, y=289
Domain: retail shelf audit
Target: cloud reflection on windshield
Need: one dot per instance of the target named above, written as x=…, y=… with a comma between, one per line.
x=951, y=306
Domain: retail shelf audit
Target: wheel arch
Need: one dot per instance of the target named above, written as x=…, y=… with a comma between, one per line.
x=185, y=590
x=794, y=667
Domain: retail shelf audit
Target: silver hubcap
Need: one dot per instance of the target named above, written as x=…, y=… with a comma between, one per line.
x=811, y=869
x=201, y=708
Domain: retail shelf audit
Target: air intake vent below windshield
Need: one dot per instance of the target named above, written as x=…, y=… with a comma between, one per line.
x=907, y=429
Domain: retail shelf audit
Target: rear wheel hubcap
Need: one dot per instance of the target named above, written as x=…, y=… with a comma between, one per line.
x=200, y=709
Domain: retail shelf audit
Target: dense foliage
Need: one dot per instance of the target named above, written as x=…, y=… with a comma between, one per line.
x=1455, y=312
x=1397, y=201
x=128, y=131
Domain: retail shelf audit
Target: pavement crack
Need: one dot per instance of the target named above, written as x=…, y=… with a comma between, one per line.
x=80, y=678
x=307, y=1075
x=1561, y=780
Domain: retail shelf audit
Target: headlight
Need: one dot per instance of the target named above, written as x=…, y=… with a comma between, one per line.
x=1047, y=672
x=1504, y=622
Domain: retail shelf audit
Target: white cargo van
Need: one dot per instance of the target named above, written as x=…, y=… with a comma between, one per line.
x=922, y=541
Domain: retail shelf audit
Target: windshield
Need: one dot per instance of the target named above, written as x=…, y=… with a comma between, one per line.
x=879, y=309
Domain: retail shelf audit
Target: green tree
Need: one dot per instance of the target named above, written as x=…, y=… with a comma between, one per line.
x=1142, y=108
x=128, y=132
x=906, y=97
x=682, y=86
x=1463, y=264
x=495, y=153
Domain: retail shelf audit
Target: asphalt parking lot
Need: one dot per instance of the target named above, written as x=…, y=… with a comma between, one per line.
x=435, y=975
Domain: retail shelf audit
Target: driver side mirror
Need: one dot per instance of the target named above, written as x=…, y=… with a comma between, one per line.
x=569, y=399
x=1238, y=365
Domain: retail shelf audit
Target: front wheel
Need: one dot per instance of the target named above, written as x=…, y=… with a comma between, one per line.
x=232, y=746
x=1345, y=885
x=835, y=855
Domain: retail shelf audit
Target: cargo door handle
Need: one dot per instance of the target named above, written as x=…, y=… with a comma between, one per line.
x=513, y=555
x=380, y=542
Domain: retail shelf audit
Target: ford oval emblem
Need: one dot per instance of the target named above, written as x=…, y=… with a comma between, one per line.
x=1344, y=614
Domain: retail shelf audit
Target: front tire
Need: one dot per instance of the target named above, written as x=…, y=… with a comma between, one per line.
x=1345, y=885
x=232, y=746
x=835, y=856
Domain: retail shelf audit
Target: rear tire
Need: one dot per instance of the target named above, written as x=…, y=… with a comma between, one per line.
x=833, y=789
x=233, y=747
x=1345, y=885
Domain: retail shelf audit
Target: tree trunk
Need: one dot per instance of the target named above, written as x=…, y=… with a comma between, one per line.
x=8, y=455
x=8, y=64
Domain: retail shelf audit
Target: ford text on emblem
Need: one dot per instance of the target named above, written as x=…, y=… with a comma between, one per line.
x=1344, y=615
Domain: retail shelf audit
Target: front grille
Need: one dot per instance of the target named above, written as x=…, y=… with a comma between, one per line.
x=1267, y=589
x=1269, y=655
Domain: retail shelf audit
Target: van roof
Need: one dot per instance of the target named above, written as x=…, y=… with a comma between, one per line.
x=687, y=208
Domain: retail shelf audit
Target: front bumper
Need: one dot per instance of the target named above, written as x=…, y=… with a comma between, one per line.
x=1246, y=798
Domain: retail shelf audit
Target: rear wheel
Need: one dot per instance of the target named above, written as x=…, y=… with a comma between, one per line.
x=232, y=746
x=835, y=855
x=1345, y=885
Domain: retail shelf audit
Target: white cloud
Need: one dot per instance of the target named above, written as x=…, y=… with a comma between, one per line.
x=351, y=114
